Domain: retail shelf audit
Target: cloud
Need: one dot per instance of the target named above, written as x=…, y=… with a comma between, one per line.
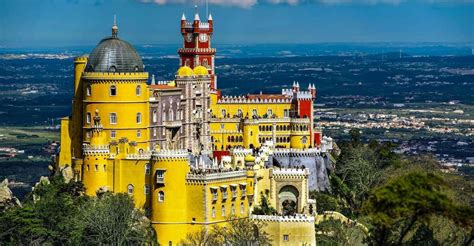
x=251, y=3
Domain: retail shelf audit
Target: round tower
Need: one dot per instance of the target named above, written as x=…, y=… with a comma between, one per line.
x=94, y=173
x=114, y=81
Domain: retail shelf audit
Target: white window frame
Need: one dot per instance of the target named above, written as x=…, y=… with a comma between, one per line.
x=88, y=118
x=113, y=118
x=113, y=134
x=223, y=211
x=161, y=196
x=147, y=169
x=130, y=189
x=139, y=133
x=139, y=118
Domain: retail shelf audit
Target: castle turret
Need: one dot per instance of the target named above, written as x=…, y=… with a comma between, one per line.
x=95, y=159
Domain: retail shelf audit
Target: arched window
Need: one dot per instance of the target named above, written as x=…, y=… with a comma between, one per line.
x=161, y=196
x=213, y=212
x=88, y=91
x=113, y=118
x=171, y=115
x=187, y=62
x=240, y=139
x=130, y=189
x=254, y=112
x=232, y=209
x=147, y=189
x=224, y=113
x=139, y=133
x=155, y=116
x=138, y=90
x=270, y=112
x=228, y=138
x=242, y=208
x=223, y=211
x=147, y=169
x=113, y=90
x=232, y=139
x=205, y=62
x=139, y=118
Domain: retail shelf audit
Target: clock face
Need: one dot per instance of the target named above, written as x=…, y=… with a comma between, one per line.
x=189, y=37
x=203, y=37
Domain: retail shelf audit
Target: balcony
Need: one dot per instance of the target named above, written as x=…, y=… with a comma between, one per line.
x=172, y=124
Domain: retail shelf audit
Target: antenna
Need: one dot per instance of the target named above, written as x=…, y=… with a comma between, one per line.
x=115, y=19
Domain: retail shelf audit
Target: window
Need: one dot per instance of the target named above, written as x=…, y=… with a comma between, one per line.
x=88, y=91
x=113, y=90
x=286, y=113
x=147, y=189
x=242, y=208
x=105, y=168
x=223, y=211
x=239, y=112
x=138, y=90
x=113, y=134
x=254, y=112
x=154, y=132
x=96, y=168
x=88, y=134
x=139, y=133
x=130, y=189
x=160, y=176
x=232, y=209
x=205, y=62
x=224, y=193
x=139, y=118
x=214, y=195
x=113, y=118
x=213, y=212
x=234, y=193
x=147, y=169
x=222, y=126
x=155, y=116
x=161, y=196
x=224, y=113
x=286, y=238
x=87, y=168
x=88, y=118
x=187, y=62
x=244, y=191
x=270, y=112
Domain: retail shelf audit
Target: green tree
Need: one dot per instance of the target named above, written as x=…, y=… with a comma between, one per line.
x=113, y=219
x=399, y=207
x=264, y=208
x=238, y=232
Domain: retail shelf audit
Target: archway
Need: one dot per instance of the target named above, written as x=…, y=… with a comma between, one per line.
x=288, y=199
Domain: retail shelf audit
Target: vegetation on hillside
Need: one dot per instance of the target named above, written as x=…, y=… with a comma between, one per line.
x=57, y=213
x=402, y=200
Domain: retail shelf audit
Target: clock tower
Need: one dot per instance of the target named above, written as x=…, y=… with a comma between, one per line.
x=197, y=49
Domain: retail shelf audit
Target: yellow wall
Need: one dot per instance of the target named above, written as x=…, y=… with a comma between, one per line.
x=65, y=150
x=299, y=233
x=125, y=104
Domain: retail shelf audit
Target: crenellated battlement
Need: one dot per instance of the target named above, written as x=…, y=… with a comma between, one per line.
x=170, y=154
x=240, y=152
x=284, y=219
x=89, y=150
x=311, y=152
x=245, y=100
x=206, y=175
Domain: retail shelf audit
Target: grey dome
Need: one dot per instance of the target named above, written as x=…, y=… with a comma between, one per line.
x=114, y=55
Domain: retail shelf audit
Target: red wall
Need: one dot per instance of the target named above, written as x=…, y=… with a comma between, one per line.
x=305, y=109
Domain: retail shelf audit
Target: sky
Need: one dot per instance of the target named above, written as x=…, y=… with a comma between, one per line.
x=50, y=23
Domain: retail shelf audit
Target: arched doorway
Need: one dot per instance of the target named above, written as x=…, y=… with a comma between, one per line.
x=288, y=199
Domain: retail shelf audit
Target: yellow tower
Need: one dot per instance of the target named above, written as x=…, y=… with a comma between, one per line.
x=114, y=82
x=95, y=159
x=169, y=197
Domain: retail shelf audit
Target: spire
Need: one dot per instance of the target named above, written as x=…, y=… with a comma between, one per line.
x=210, y=17
x=294, y=83
x=153, y=79
x=314, y=87
x=309, y=87
x=297, y=84
x=183, y=18
x=115, y=28
x=196, y=16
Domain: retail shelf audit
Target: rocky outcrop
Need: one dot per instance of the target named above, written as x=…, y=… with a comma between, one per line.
x=7, y=200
